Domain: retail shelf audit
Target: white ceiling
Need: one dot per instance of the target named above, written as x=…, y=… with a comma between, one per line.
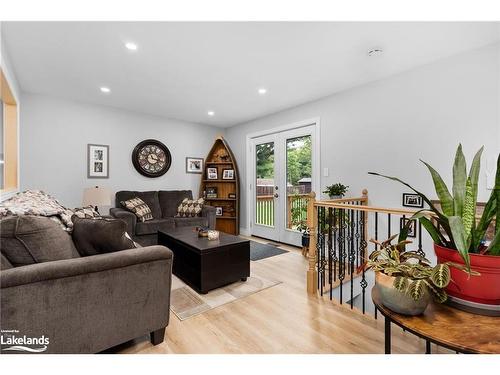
x=182, y=70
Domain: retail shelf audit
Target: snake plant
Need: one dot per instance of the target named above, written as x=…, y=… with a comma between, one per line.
x=412, y=272
x=454, y=225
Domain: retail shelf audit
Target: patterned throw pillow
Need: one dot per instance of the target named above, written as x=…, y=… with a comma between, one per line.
x=87, y=212
x=139, y=208
x=190, y=208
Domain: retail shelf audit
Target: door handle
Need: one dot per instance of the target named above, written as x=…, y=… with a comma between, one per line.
x=276, y=195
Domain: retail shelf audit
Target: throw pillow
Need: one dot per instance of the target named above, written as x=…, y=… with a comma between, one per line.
x=139, y=208
x=94, y=237
x=190, y=208
x=87, y=212
x=34, y=239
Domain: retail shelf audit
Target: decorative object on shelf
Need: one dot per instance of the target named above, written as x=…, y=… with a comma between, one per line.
x=405, y=280
x=194, y=165
x=212, y=173
x=459, y=237
x=211, y=192
x=151, y=158
x=213, y=235
x=228, y=174
x=218, y=211
x=97, y=161
x=218, y=164
x=412, y=200
x=336, y=191
x=411, y=224
x=96, y=196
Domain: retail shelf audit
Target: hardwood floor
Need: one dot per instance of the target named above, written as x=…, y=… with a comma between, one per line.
x=281, y=319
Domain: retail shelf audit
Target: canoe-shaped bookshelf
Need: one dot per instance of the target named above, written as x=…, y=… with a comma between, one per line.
x=220, y=185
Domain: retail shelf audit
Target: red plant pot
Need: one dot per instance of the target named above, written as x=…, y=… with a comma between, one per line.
x=484, y=289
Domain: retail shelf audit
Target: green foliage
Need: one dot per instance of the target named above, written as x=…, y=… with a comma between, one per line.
x=413, y=273
x=336, y=189
x=454, y=225
x=298, y=159
x=265, y=160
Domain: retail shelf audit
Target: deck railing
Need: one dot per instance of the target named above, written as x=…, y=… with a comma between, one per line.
x=295, y=203
x=339, y=245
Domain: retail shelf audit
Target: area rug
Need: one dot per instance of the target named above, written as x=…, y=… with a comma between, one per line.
x=260, y=251
x=186, y=303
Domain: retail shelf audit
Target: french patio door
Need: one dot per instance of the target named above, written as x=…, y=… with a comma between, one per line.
x=283, y=176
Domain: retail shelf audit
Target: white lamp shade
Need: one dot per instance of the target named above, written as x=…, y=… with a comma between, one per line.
x=96, y=196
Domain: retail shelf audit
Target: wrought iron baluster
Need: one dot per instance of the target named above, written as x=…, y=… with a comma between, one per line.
x=330, y=250
x=335, y=230
x=351, y=257
x=341, y=241
x=420, y=250
x=376, y=246
x=363, y=246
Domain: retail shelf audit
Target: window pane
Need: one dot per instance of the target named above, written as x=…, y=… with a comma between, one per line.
x=298, y=177
x=264, y=184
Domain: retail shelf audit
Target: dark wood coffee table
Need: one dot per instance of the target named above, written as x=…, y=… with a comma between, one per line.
x=205, y=265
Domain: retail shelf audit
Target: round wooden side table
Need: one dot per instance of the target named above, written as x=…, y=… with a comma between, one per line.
x=445, y=326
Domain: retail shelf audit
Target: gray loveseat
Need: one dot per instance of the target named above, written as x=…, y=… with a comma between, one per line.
x=163, y=205
x=83, y=304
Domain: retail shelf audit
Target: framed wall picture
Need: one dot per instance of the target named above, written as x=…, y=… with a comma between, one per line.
x=212, y=173
x=412, y=200
x=228, y=174
x=218, y=211
x=194, y=165
x=97, y=161
x=412, y=230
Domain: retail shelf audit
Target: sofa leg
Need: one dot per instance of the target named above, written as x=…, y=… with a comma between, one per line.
x=157, y=336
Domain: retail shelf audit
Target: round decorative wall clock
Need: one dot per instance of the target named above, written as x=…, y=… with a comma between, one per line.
x=151, y=158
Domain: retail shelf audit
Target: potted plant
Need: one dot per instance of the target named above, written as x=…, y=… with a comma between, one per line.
x=458, y=237
x=299, y=222
x=405, y=280
x=336, y=191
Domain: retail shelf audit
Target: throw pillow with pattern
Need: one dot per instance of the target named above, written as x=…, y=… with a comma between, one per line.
x=139, y=208
x=87, y=212
x=190, y=208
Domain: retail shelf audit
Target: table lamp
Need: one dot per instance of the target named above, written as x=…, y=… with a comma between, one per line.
x=96, y=196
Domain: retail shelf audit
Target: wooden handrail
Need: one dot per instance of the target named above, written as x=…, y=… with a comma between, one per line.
x=395, y=211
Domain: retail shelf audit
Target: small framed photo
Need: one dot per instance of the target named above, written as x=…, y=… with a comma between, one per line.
x=412, y=200
x=97, y=161
x=212, y=173
x=412, y=229
x=211, y=192
x=218, y=211
x=228, y=174
x=194, y=165
x=231, y=195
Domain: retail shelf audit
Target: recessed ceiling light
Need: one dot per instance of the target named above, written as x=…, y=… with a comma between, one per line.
x=105, y=90
x=375, y=52
x=131, y=46
x=211, y=113
x=262, y=91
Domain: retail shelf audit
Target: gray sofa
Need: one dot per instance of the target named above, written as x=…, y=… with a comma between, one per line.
x=163, y=205
x=87, y=304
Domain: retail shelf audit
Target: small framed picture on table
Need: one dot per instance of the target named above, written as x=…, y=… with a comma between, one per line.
x=218, y=211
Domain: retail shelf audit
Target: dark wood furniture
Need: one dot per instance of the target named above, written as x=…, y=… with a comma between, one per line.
x=445, y=326
x=221, y=157
x=205, y=265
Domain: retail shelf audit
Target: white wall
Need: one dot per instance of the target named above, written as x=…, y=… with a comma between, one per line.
x=56, y=132
x=386, y=126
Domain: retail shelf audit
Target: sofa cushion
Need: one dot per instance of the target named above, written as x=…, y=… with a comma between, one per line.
x=99, y=236
x=191, y=221
x=149, y=197
x=34, y=239
x=190, y=208
x=170, y=200
x=153, y=226
x=139, y=208
x=5, y=264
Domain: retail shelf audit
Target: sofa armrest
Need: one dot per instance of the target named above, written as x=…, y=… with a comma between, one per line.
x=89, y=304
x=209, y=212
x=127, y=216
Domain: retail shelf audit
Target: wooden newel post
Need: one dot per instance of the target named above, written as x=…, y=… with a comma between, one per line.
x=312, y=218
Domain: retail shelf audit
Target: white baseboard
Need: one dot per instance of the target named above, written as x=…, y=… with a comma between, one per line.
x=245, y=231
